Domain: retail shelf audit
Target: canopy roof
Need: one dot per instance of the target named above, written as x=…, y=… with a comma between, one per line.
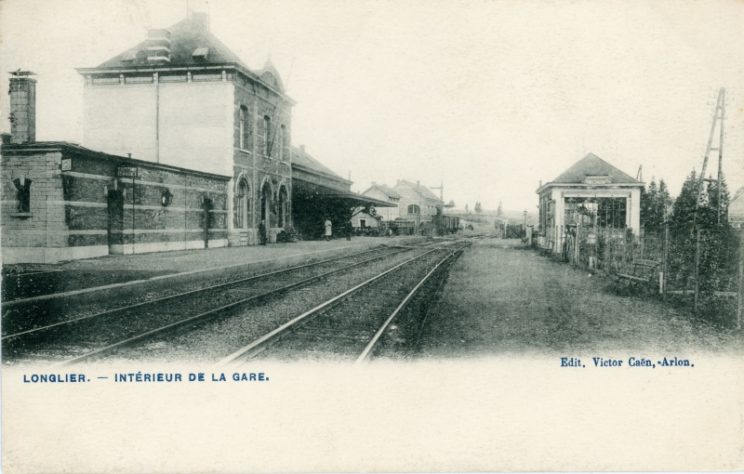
x=306, y=191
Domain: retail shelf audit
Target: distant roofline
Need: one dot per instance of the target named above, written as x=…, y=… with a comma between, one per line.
x=417, y=187
x=382, y=187
x=74, y=147
x=158, y=68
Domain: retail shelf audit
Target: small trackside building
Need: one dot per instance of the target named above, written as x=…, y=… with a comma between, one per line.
x=61, y=201
x=591, y=192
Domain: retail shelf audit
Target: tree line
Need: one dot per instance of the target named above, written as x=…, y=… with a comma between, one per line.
x=696, y=228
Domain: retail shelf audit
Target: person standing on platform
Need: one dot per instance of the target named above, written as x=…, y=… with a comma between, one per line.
x=328, y=229
x=349, y=228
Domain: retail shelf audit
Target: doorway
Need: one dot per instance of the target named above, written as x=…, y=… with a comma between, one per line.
x=265, y=212
x=115, y=231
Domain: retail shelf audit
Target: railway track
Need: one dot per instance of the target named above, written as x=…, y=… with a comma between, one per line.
x=97, y=333
x=127, y=328
x=359, y=321
x=28, y=315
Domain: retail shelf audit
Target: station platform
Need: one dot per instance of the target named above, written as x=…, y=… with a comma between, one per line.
x=24, y=282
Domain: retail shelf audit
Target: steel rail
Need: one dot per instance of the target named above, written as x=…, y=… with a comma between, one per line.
x=196, y=291
x=279, y=330
x=211, y=312
x=364, y=356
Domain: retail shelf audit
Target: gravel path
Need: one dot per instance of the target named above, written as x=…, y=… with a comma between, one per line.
x=502, y=298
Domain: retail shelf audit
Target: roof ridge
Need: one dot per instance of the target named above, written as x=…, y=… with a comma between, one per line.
x=593, y=165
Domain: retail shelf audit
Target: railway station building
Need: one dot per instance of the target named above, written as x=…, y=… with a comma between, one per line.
x=183, y=147
x=182, y=98
x=591, y=192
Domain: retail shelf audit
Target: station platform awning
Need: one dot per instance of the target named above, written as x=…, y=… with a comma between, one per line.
x=305, y=191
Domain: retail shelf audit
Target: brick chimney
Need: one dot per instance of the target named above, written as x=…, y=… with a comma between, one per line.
x=22, y=107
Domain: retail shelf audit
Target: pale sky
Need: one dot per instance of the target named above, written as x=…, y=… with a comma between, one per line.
x=488, y=97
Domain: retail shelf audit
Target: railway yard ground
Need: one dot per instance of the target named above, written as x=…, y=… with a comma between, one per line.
x=406, y=298
x=501, y=297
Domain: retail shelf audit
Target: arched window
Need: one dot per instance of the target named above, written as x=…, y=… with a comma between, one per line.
x=414, y=209
x=267, y=135
x=242, y=205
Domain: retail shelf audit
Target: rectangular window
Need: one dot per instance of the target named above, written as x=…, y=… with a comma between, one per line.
x=241, y=133
x=267, y=136
x=246, y=127
x=279, y=139
x=23, y=195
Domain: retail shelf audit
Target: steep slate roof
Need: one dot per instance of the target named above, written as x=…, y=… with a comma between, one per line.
x=186, y=36
x=421, y=190
x=301, y=158
x=592, y=165
x=389, y=192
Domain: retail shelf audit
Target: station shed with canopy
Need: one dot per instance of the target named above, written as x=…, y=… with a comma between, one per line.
x=318, y=194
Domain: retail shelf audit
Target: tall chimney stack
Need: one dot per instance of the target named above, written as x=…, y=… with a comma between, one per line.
x=200, y=20
x=22, y=107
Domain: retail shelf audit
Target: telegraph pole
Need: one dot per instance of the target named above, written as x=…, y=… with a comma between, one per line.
x=441, y=191
x=718, y=117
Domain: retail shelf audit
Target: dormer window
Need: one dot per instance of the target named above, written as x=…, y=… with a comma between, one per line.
x=130, y=55
x=200, y=54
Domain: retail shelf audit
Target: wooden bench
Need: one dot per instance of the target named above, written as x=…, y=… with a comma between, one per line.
x=642, y=271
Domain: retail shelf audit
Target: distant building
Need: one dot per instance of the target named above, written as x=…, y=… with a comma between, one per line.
x=417, y=202
x=591, y=192
x=362, y=220
x=385, y=193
